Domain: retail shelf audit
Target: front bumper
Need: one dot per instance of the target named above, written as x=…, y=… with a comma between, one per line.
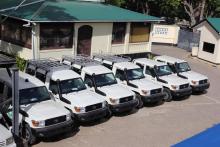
x=201, y=87
x=53, y=130
x=182, y=92
x=92, y=115
x=153, y=98
x=122, y=107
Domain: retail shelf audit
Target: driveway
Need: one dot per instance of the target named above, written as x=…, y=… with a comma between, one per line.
x=159, y=126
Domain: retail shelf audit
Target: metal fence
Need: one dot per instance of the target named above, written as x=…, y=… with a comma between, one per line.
x=188, y=39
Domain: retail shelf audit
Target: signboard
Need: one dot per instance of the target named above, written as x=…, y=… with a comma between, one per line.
x=165, y=34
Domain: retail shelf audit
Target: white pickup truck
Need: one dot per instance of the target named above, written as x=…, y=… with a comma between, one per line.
x=45, y=116
x=6, y=138
x=131, y=76
x=181, y=68
x=69, y=90
x=101, y=80
x=161, y=73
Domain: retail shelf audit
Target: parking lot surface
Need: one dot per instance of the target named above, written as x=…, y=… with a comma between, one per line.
x=154, y=126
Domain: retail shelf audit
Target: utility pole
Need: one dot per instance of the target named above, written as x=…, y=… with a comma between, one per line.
x=16, y=107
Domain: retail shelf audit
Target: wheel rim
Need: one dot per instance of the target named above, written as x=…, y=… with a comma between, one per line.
x=27, y=134
x=166, y=97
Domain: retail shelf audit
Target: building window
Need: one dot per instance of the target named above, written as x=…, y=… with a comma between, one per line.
x=118, y=34
x=14, y=32
x=140, y=32
x=208, y=47
x=56, y=36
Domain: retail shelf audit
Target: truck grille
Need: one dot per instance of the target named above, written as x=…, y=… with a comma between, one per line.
x=184, y=86
x=126, y=99
x=203, y=81
x=156, y=91
x=93, y=107
x=56, y=120
x=2, y=143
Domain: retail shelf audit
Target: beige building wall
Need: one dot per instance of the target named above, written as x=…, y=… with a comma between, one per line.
x=101, y=37
x=208, y=34
x=101, y=43
x=165, y=33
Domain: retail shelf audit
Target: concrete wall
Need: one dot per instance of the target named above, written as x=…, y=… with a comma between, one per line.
x=165, y=34
x=15, y=49
x=208, y=34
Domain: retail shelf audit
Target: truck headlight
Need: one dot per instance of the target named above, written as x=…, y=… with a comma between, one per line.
x=194, y=82
x=79, y=109
x=113, y=101
x=144, y=92
x=174, y=87
x=9, y=141
x=68, y=116
x=38, y=123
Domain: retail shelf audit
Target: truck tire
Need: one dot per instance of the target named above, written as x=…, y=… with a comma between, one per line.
x=109, y=113
x=29, y=135
x=168, y=95
x=140, y=102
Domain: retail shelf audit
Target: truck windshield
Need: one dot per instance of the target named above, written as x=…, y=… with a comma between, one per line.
x=163, y=70
x=134, y=74
x=33, y=95
x=183, y=67
x=105, y=79
x=72, y=85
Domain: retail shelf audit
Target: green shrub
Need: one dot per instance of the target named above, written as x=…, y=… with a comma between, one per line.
x=21, y=63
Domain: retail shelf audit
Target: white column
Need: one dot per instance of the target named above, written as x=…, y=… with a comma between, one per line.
x=127, y=38
x=35, y=41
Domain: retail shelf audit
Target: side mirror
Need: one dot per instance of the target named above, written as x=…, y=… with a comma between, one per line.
x=23, y=113
x=1, y=116
x=54, y=91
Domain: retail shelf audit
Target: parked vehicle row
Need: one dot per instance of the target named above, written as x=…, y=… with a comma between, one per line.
x=58, y=95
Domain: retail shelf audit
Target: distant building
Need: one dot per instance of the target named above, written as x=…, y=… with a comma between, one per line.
x=209, y=47
x=52, y=28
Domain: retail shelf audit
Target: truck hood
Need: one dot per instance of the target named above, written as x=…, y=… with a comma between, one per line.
x=116, y=91
x=5, y=133
x=45, y=110
x=84, y=98
x=191, y=75
x=174, y=80
x=144, y=84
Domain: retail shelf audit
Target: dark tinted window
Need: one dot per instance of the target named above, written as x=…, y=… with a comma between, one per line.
x=88, y=80
x=53, y=87
x=120, y=75
x=41, y=76
x=208, y=47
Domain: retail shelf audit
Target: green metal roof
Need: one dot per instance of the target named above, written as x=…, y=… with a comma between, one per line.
x=76, y=11
x=215, y=23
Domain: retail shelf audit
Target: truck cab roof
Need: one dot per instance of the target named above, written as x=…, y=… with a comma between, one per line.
x=126, y=65
x=148, y=62
x=169, y=59
x=59, y=74
x=25, y=80
x=97, y=70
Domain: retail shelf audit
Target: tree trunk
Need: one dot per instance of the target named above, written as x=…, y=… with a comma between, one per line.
x=190, y=11
x=202, y=10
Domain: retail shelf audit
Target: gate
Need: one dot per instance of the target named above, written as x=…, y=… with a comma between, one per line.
x=188, y=39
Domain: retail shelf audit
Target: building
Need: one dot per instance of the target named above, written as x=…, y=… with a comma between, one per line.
x=209, y=46
x=52, y=28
